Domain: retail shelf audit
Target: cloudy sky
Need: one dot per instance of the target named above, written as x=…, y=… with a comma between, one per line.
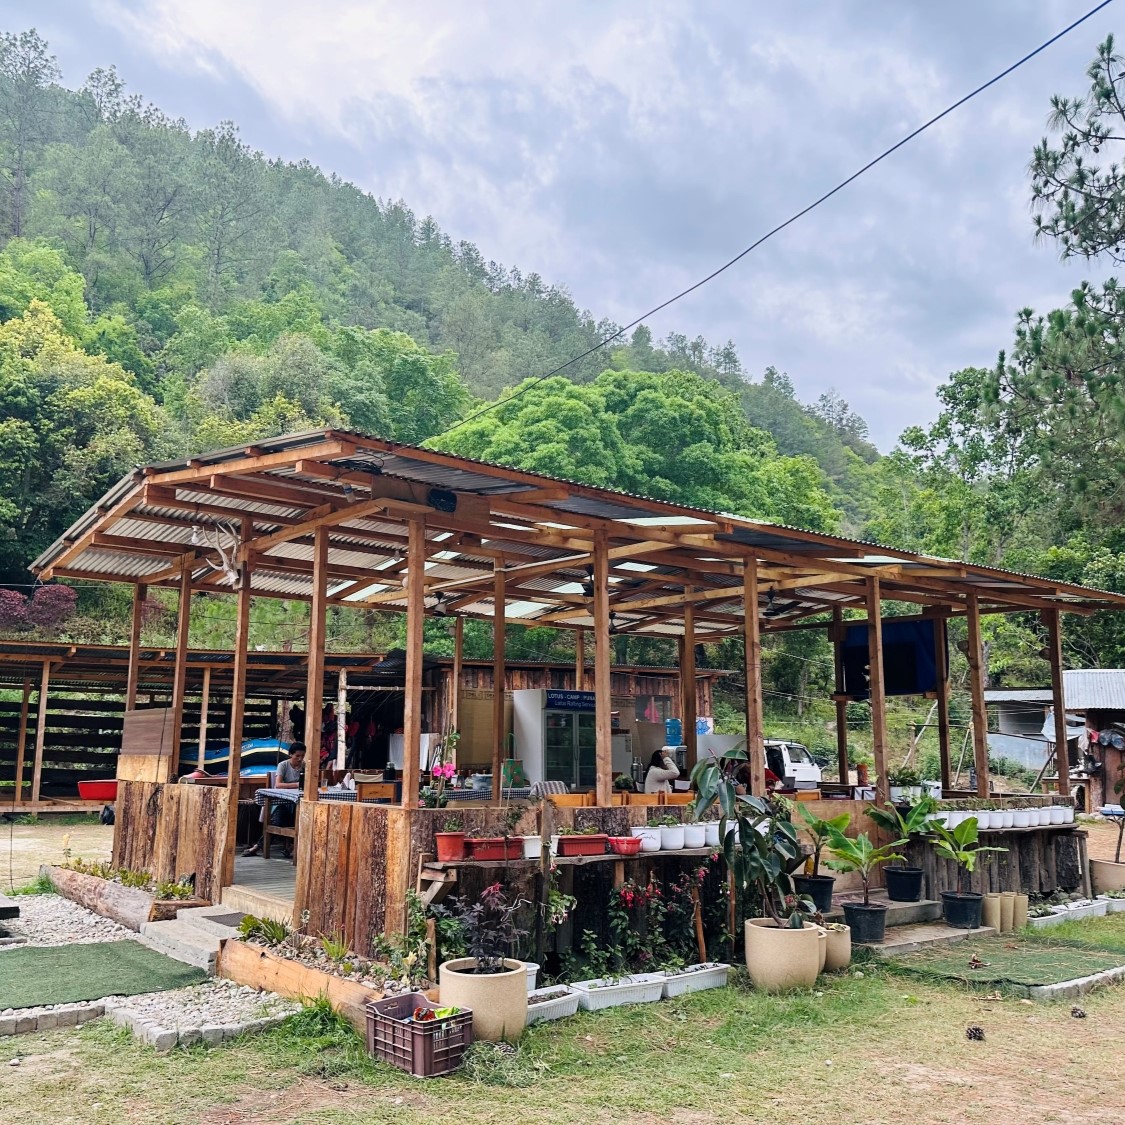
x=625, y=149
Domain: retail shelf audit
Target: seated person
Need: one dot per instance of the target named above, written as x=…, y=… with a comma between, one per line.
x=662, y=770
x=283, y=814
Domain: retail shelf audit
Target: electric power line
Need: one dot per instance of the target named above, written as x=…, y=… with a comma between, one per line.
x=780, y=227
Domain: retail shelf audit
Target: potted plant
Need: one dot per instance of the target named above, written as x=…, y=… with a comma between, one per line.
x=503, y=847
x=609, y=987
x=901, y=784
x=816, y=886
x=904, y=883
x=867, y=919
x=671, y=832
x=761, y=851
x=488, y=982
x=695, y=978
x=582, y=841
x=838, y=946
x=450, y=840
x=961, y=907
x=649, y=835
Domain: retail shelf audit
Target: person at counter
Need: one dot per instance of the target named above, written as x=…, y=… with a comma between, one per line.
x=662, y=771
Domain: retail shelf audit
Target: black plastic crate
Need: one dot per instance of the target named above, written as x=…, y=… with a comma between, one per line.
x=426, y=1048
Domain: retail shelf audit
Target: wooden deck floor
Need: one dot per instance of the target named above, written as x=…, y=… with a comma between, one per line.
x=264, y=887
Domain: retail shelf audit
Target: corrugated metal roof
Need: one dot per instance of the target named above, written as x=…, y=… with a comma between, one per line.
x=1084, y=689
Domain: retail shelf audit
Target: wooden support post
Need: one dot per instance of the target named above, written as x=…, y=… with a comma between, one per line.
x=314, y=681
x=976, y=687
x=689, y=701
x=415, y=620
x=842, y=757
x=204, y=701
x=603, y=704
x=21, y=741
x=752, y=647
x=499, y=751
x=237, y=715
x=579, y=659
x=140, y=594
x=40, y=731
x=941, y=663
x=878, y=697
x=341, y=717
x=1054, y=651
x=179, y=672
x=458, y=667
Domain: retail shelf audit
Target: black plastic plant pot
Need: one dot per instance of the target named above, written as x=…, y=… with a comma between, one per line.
x=904, y=884
x=816, y=887
x=867, y=923
x=961, y=910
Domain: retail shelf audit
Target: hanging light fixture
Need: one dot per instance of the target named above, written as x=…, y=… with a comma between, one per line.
x=196, y=539
x=588, y=583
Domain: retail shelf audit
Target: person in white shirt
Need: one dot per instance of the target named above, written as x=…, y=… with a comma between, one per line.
x=662, y=771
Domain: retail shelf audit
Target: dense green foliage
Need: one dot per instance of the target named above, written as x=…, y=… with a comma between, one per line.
x=163, y=292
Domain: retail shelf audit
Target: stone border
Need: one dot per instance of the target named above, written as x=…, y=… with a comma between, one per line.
x=1073, y=989
x=26, y=1020
x=166, y=1038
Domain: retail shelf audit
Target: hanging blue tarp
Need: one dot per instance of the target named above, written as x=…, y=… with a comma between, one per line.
x=909, y=664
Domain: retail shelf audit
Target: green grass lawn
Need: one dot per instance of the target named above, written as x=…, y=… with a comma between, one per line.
x=873, y=1048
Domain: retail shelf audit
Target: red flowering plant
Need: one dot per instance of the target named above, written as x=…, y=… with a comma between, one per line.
x=636, y=919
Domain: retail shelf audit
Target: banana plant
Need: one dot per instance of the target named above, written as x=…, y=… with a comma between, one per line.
x=917, y=822
x=962, y=845
x=821, y=831
x=859, y=854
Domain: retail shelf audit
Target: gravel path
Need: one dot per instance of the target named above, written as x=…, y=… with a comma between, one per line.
x=214, y=1002
x=54, y=920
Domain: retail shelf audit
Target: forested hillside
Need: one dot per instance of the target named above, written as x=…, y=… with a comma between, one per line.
x=164, y=291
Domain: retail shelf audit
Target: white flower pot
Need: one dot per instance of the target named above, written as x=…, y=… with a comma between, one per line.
x=532, y=847
x=1115, y=906
x=1043, y=815
x=532, y=973
x=671, y=838
x=650, y=838
x=894, y=792
x=933, y=788
x=555, y=844
x=953, y=817
x=1021, y=818
x=711, y=829
x=558, y=1007
x=1046, y=920
x=695, y=836
x=916, y=791
x=1008, y=819
x=695, y=978
x=638, y=988
x=1057, y=814
x=1068, y=814
x=984, y=818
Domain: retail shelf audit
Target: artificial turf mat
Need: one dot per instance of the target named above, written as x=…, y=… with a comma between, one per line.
x=1007, y=960
x=31, y=975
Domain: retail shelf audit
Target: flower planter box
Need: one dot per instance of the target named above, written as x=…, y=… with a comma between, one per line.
x=554, y=1003
x=1047, y=920
x=258, y=967
x=499, y=848
x=1115, y=906
x=583, y=845
x=130, y=907
x=638, y=988
x=424, y=1048
x=695, y=978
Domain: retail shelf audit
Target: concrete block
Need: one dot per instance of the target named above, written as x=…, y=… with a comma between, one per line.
x=24, y=1024
x=89, y=1012
x=48, y=1021
x=68, y=1017
x=212, y=1034
x=7, y=1025
x=190, y=1036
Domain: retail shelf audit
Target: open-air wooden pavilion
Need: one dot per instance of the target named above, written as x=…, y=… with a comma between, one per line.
x=338, y=518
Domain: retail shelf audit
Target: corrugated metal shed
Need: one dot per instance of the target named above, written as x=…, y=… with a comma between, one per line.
x=1084, y=689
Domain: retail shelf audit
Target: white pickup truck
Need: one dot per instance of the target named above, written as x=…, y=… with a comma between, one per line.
x=789, y=760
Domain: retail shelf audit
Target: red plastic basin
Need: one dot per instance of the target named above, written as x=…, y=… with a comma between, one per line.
x=98, y=790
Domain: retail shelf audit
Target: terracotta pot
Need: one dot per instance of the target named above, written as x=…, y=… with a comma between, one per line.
x=838, y=949
x=779, y=959
x=450, y=846
x=583, y=845
x=495, y=847
x=498, y=1001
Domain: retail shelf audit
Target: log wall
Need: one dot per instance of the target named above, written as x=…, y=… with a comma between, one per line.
x=171, y=831
x=1036, y=862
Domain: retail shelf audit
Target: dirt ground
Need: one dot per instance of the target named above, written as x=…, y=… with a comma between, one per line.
x=1103, y=839
x=23, y=847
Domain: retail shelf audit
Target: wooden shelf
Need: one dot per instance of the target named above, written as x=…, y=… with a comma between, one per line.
x=575, y=860
x=1036, y=828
